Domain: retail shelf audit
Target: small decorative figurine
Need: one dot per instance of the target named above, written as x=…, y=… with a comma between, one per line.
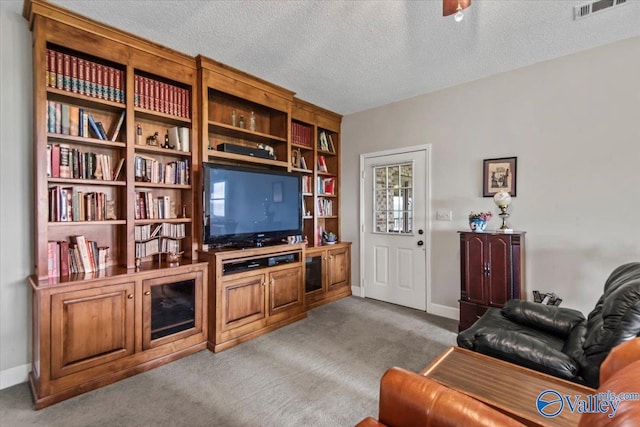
x=153, y=140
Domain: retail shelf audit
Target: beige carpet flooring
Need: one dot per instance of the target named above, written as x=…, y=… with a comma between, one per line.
x=321, y=371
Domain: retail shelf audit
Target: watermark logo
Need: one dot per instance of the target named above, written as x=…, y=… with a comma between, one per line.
x=550, y=403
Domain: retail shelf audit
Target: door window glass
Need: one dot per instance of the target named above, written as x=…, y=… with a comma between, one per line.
x=393, y=196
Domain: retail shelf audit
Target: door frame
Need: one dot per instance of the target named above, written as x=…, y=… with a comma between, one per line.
x=427, y=197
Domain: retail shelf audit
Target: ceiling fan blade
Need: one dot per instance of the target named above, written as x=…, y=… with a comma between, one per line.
x=449, y=7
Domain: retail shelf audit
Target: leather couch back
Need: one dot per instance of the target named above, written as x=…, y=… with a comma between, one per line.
x=615, y=318
x=619, y=373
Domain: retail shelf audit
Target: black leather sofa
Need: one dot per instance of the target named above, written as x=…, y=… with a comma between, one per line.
x=560, y=341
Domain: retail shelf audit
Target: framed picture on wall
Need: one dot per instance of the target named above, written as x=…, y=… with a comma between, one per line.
x=499, y=175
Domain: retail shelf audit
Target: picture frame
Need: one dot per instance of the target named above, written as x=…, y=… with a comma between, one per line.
x=499, y=175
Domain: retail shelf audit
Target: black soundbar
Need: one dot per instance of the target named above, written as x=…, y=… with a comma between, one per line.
x=246, y=151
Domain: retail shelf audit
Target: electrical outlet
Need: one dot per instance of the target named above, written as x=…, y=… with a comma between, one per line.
x=444, y=215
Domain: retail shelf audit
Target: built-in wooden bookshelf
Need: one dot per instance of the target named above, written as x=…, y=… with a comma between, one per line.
x=318, y=142
x=242, y=111
x=121, y=129
x=99, y=93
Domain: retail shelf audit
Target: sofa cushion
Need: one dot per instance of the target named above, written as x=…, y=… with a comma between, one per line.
x=531, y=350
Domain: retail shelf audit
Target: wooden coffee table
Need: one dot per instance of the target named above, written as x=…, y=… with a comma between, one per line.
x=509, y=388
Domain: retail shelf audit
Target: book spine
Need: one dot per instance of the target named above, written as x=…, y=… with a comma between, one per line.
x=74, y=74
x=65, y=169
x=136, y=90
x=51, y=68
x=59, y=70
x=82, y=77
x=53, y=259
x=94, y=126
x=58, y=116
x=66, y=73
x=66, y=120
x=74, y=123
x=51, y=117
x=64, y=258
x=48, y=160
x=55, y=161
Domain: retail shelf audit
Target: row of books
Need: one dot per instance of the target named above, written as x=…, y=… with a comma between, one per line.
x=326, y=185
x=149, y=169
x=161, y=245
x=161, y=97
x=165, y=229
x=307, y=184
x=325, y=142
x=66, y=162
x=68, y=204
x=149, y=207
x=325, y=207
x=78, y=75
x=179, y=138
x=72, y=120
x=322, y=164
x=302, y=135
x=77, y=256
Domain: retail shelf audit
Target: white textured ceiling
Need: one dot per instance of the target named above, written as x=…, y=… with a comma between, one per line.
x=349, y=56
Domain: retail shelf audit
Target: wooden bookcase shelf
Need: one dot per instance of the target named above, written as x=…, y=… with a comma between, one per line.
x=311, y=127
x=85, y=70
x=105, y=100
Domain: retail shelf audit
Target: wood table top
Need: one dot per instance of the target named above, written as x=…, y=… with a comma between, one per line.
x=510, y=388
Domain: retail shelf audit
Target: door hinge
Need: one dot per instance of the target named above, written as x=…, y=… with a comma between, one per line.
x=362, y=174
x=362, y=228
x=362, y=283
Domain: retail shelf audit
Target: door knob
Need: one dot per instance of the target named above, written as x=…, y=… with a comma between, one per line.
x=420, y=243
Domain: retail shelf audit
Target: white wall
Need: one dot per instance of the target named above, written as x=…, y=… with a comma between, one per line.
x=573, y=123
x=15, y=194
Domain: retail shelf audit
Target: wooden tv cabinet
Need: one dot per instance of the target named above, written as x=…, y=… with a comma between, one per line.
x=253, y=291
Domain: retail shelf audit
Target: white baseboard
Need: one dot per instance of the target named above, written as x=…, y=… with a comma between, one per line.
x=12, y=376
x=356, y=291
x=444, y=311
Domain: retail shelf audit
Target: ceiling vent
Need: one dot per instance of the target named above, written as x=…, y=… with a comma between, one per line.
x=594, y=7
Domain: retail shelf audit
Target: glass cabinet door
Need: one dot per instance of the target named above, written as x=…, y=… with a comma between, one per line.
x=313, y=277
x=171, y=308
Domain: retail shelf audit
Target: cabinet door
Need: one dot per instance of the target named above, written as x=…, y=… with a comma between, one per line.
x=241, y=302
x=285, y=290
x=474, y=268
x=91, y=327
x=338, y=264
x=171, y=308
x=500, y=275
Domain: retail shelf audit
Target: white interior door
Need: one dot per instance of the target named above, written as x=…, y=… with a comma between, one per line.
x=394, y=230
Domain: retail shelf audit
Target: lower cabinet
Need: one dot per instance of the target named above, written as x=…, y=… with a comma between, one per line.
x=328, y=274
x=252, y=292
x=93, y=332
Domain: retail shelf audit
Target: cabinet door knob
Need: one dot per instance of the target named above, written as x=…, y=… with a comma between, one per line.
x=262, y=283
x=147, y=292
x=130, y=296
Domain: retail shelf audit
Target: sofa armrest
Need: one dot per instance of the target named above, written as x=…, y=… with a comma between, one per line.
x=549, y=318
x=408, y=399
x=370, y=422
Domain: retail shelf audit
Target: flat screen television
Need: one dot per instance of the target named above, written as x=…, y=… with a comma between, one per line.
x=250, y=206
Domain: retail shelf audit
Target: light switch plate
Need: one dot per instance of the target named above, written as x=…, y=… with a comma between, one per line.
x=443, y=215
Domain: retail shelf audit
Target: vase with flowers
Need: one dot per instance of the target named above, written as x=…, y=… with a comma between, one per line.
x=478, y=220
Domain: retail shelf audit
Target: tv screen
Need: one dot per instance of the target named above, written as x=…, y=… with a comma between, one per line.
x=244, y=206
